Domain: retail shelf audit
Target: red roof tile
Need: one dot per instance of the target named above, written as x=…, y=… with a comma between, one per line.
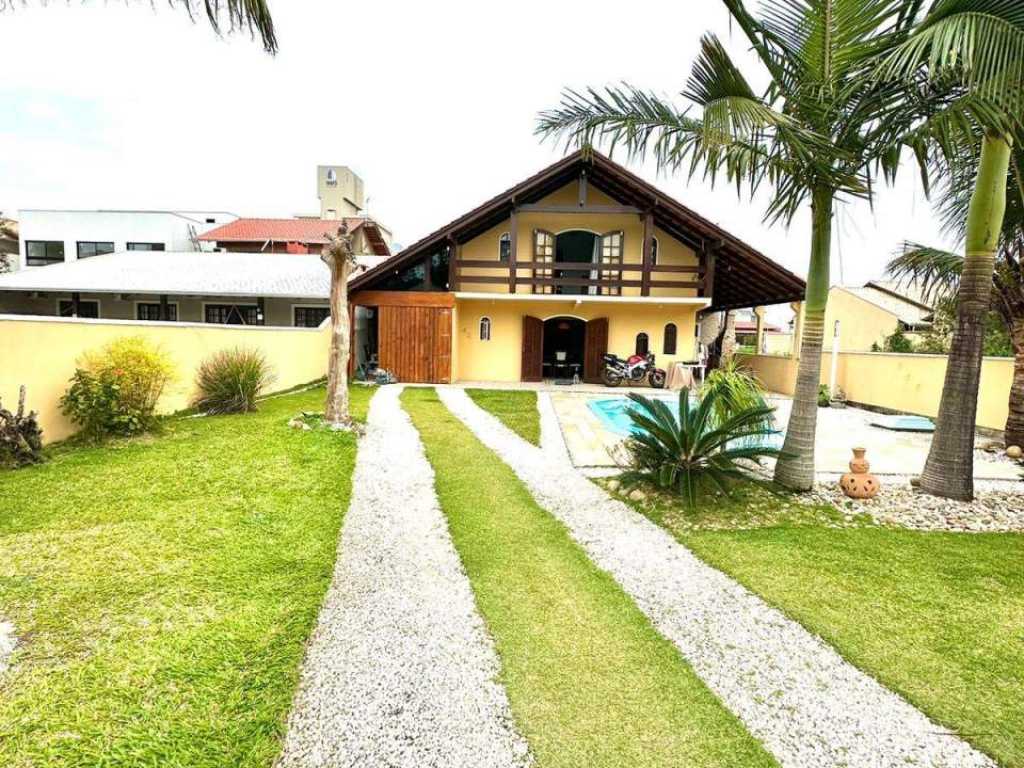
x=279, y=230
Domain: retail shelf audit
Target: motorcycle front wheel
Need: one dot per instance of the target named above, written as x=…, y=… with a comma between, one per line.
x=657, y=379
x=610, y=378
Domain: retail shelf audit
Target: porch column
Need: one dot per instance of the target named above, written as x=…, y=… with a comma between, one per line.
x=798, y=327
x=165, y=310
x=261, y=311
x=759, y=343
x=76, y=300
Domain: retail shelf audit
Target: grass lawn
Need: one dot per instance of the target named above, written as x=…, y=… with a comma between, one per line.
x=933, y=616
x=162, y=589
x=516, y=409
x=590, y=682
x=936, y=617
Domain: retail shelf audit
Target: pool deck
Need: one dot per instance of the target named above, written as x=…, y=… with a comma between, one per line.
x=592, y=445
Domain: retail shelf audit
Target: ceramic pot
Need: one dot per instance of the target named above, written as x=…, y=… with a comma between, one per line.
x=859, y=483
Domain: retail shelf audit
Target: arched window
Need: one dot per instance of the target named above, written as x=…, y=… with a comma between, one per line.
x=669, y=347
x=504, y=246
x=485, y=329
x=642, y=344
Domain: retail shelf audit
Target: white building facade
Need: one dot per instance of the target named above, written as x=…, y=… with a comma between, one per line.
x=56, y=236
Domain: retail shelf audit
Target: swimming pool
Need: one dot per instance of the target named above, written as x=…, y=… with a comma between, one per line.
x=613, y=412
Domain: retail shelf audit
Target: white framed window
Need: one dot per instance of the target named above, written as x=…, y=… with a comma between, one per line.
x=485, y=329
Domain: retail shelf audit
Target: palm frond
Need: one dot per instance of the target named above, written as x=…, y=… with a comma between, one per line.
x=934, y=271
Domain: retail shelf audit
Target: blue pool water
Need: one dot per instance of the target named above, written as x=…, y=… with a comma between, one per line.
x=614, y=415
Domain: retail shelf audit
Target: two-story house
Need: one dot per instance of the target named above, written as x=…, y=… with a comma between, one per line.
x=580, y=259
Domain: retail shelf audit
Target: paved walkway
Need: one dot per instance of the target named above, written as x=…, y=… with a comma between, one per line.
x=400, y=670
x=809, y=707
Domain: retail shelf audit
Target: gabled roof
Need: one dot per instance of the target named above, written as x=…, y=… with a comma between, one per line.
x=306, y=231
x=299, y=276
x=744, y=277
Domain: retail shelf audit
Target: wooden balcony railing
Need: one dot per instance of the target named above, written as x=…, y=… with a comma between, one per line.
x=576, y=274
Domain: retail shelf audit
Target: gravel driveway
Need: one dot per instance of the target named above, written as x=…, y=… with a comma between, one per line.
x=807, y=705
x=400, y=670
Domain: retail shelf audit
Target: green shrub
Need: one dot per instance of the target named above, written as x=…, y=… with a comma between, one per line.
x=683, y=455
x=824, y=396
x=115, y=391
x=229, y=381
x=898, y=342
x=737, y=390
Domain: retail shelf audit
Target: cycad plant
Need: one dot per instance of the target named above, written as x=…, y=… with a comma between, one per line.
x=817, y=132
x=970, y=56
x=688, y=453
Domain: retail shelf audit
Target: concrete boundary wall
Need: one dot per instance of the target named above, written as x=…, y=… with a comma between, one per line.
x=41, y=352
x=909, y=383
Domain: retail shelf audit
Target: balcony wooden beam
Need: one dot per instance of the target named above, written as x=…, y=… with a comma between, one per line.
x=586, y=209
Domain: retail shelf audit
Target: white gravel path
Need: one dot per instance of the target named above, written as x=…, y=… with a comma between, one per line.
x=7, y=643
x=400, y=670
x=809, y=707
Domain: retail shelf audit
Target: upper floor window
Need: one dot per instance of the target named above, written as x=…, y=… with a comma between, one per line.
x=332, y=176
x=504, y=247
x=39, y=253
x=654, y=251
x=669, y=347
x=146, y=247
x=642, y=343
x=89, y=248
x=485, y=329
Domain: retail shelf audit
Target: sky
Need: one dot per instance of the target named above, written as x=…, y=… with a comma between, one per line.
x=433, y=104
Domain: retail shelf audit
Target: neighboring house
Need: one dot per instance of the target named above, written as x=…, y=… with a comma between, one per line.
x=299, y=235
x=225, y=288
x=56, y=236
x=868, y=314
x=746, y=330
x=580, y=259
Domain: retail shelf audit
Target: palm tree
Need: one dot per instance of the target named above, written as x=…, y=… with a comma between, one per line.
x=814, y=135
x=972, y=52
x=251, y=15
x=339, y=255
x=938, y=273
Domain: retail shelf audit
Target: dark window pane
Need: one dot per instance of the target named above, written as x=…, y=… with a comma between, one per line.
x=311, y=317
x=232, y=314
x=670, y=339
x=39, y=253
x=93, y=248
x=151, y=311
x=411, y=279
x=641, y=344
x=439, y=270
x=505, y=247
x=146, y=247
x=91, y=309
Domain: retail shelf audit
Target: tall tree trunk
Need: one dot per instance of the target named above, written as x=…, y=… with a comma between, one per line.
x=795, y=468
x=949, y=470
x=1015, y=421
x=336, y=410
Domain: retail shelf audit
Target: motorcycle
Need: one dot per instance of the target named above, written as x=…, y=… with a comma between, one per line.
x=635, y=370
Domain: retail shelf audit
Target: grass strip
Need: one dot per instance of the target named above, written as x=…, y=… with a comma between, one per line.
x=590, y=681
x=516, y=409
x=162, y=589
x=936, y=617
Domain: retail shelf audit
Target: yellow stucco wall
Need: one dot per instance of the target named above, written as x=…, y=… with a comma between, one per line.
x=500, y=359
x=861, y=323
x=46, y=350
x=908, y=383
x=485, y=247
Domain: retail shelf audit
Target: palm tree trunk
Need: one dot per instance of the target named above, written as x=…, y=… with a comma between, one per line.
x=336, y=410
x=795, y=467
x=1015, y=421
x=949, y=470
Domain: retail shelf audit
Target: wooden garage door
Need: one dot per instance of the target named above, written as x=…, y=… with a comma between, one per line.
x=415, y=343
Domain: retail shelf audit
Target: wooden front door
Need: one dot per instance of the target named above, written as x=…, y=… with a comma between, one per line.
x=594, y=349
x=533, y=349
x=415, y=343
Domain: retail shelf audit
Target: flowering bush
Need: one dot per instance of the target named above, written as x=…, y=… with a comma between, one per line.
x=115, y=391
